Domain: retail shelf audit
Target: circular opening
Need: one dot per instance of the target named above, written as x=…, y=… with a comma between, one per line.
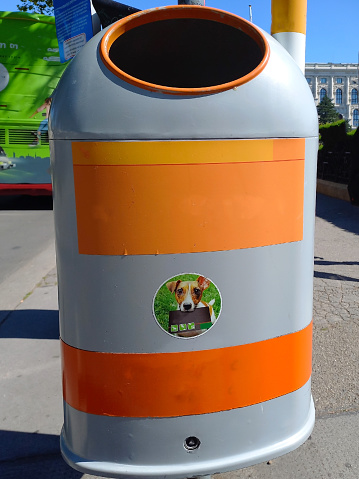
x=184, y=50
x=192, y=443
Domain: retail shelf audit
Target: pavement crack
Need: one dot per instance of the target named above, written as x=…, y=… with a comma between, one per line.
x=6, y=317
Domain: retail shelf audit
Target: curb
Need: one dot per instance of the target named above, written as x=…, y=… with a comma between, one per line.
x=335, y=190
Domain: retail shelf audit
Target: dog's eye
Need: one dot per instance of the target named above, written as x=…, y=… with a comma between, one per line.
x=180, y=291
x=197, y=290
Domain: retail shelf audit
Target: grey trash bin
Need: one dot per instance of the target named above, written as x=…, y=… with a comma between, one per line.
x=184, y=143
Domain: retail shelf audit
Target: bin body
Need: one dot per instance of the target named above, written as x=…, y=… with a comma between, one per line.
x=157, y=189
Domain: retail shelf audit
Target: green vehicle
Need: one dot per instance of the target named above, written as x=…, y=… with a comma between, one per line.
x=30, y=69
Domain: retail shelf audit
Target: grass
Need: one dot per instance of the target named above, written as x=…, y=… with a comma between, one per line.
x=26, y=296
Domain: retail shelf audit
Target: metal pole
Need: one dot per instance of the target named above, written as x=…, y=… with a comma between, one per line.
x=96, y=22
x=191, y=2
x=289, y=21
x=250, y=14
x=110, y=11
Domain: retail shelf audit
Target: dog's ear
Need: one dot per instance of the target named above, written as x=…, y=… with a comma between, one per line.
x=172, y=285
x=203, y=282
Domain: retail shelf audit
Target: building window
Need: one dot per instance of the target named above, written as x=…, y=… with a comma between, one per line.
x=339, y=80
x=339, y=97
x=356, y=118
x=309, y=80
x=322, y=94
x=354, y=96
x=323, y=80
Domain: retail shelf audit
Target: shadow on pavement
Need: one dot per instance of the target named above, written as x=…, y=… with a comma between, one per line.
x=30, y=324
x=25, y=202
x=33, y=456
x=320, y=262
x=337, y=277
x=338, y=212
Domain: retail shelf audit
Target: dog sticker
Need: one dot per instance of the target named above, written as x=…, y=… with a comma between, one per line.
x=187, y=305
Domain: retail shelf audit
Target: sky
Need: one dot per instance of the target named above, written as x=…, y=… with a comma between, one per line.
x=332, y=26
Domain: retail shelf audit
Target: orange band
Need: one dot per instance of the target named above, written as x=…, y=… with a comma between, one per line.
x=130, y=201
x=186, y=383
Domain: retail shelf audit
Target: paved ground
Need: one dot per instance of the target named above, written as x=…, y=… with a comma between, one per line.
x=30, y=383
x=27, y=228
x=333, y=449
x=336, y=308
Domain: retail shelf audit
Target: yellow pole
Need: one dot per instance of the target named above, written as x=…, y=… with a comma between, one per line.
x=289, y=16
x=289, y=21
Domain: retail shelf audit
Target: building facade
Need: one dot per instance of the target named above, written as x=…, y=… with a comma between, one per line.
x=338, y=81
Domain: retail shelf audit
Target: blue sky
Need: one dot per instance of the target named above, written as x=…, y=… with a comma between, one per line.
x=332, y=26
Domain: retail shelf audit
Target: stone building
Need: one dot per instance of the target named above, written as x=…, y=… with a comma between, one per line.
x=338, y=81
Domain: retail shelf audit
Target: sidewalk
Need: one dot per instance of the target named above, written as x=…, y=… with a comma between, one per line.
x=30, y=372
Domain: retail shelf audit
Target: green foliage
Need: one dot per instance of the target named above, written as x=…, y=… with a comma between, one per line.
x=327, y=112
x=335, y=137
x=44, y=7
x=348, y=126
x=352, y=132
x=333, y=132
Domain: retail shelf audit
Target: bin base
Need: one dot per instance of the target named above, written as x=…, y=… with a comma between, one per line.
x=194, y=464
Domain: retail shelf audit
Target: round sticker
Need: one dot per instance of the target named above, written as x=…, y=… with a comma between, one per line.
x=187, y=305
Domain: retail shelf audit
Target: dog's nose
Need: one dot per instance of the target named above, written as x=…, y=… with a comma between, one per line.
x=187, y=306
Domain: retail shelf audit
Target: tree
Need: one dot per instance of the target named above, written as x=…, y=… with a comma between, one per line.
x=45, y=7
x=327, y=112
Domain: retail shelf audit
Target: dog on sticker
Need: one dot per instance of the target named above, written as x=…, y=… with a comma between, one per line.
x=188, y=295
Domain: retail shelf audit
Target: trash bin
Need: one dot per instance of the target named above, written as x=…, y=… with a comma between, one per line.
x=184, y=145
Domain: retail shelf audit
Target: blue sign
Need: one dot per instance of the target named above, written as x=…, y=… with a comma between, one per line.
x=73, y=26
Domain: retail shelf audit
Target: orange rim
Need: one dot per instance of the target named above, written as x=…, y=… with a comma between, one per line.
x=179, y=12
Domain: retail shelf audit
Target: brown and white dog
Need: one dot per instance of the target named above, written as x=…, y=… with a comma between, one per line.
x=188, y=295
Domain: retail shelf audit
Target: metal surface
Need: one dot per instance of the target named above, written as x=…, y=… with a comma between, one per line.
x=229, y=439
x=263, y=269
x=294, y=43
x=110, y=11
x=198, y=117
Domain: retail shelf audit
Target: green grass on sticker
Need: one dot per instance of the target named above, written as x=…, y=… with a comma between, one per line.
x=165, y=301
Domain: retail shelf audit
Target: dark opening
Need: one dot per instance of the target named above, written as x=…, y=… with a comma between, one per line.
x=186, y=53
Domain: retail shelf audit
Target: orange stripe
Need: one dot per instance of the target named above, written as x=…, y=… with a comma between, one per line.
x=164, y=209
x=186, y=383
x=186, y=151
x=178, y=152
x=288, y=149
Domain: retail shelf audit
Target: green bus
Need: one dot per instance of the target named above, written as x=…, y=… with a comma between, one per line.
x=30, y=69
